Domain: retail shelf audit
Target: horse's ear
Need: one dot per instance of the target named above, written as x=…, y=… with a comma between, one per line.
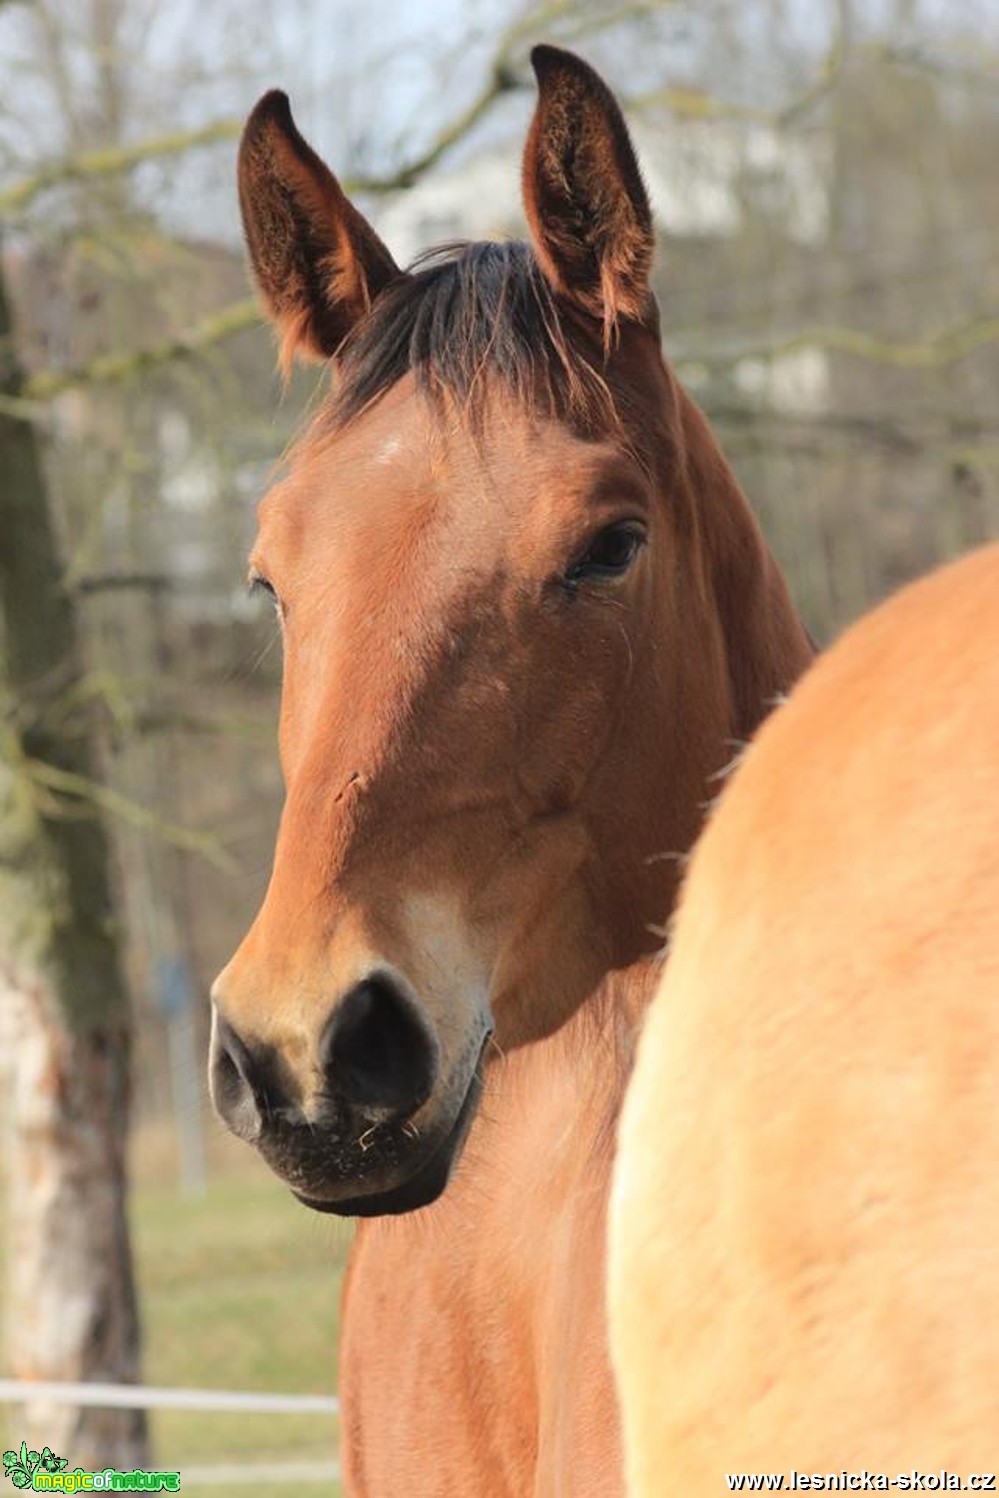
x=318, y=262
x=583, y=192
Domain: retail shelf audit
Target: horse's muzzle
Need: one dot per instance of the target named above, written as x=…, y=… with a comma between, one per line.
x=380, y=1130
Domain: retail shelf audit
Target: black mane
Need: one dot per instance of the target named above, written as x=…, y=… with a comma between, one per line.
x=464, y=311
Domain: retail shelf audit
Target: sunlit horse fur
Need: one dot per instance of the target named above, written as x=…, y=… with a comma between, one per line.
x=527, y=615
x=804, y=1244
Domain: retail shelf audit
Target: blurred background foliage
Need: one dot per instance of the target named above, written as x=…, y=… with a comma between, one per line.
x=824, y=179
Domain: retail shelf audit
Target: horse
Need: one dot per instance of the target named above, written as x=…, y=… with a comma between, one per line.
x=804, y=1261
x=526, y=613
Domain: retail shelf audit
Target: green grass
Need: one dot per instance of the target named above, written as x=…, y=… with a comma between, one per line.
x=238, y=1290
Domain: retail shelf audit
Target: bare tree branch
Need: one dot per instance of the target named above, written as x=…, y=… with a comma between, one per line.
x=943, y=433
x=935, y=352
x=113, y=368
x=697, y=104
x=111, y=160
x=75, y=793
x=920, y=60
x=501, y=80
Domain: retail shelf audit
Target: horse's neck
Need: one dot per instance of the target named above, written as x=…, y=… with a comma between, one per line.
x=541, y=1146
x=577, y=1076
x=766, y=645
x=501, y=1280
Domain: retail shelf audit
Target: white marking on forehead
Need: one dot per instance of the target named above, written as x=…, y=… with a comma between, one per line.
x=388, y=449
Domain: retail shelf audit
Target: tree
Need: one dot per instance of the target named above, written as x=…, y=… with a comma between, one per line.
x=72, y=1298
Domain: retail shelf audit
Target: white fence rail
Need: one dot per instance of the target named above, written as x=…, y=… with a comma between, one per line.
x=235, y=1474
x=226, y=1401
x=144, y=1397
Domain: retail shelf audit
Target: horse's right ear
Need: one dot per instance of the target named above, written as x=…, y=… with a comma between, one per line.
x=583, y=194
x=318, y=262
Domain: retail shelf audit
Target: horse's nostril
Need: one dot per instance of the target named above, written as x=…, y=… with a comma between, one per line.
x=227, y=1079
x=378, y=1052
x=233, y=1082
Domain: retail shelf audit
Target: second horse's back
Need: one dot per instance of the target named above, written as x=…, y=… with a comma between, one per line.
x=805, y=1231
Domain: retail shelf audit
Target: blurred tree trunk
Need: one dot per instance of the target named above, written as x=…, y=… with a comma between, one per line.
x=72, y=1295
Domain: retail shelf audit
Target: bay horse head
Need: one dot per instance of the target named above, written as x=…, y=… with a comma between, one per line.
x=525, y=613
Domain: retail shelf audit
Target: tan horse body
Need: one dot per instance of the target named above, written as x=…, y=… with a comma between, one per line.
x=805, y=1221
x=526, y=615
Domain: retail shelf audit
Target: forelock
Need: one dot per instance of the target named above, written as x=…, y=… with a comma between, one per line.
x=465, y=314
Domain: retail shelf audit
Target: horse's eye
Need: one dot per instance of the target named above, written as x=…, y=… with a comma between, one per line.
x=610, y=553
x=257, y=583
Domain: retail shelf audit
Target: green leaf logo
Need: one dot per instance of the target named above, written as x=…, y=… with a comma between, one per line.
x=21, y=1466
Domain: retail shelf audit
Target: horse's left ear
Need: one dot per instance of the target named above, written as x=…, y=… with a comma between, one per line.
x=318, y=262
x=584, y=196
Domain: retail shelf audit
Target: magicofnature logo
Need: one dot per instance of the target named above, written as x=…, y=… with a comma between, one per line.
x=43, y=1471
